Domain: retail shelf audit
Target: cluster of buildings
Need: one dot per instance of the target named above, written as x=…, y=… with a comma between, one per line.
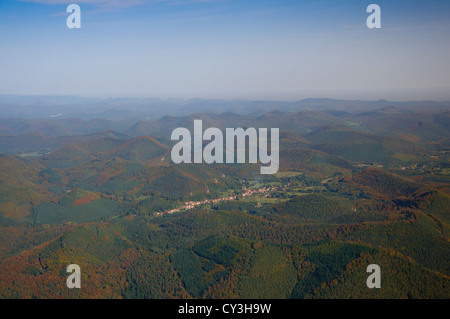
x=193, y=204
x=262, y=190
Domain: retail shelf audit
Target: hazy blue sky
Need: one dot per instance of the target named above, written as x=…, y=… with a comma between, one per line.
x=227, y=49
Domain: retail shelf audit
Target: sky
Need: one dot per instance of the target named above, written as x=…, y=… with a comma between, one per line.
x=232, y=49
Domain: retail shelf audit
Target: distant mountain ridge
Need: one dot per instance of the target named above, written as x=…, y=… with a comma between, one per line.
x=49, y=107
x=397, y=128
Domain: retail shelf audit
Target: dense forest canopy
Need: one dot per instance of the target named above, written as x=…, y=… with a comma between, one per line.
x=356, y=186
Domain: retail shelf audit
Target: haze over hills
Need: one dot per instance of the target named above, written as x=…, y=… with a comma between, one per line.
x=402, y=125
x=47, y=107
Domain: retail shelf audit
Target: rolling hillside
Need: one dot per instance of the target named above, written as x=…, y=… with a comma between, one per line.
x=356, y=186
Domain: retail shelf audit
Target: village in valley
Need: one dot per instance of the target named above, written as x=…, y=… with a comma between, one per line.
x=264, y=191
